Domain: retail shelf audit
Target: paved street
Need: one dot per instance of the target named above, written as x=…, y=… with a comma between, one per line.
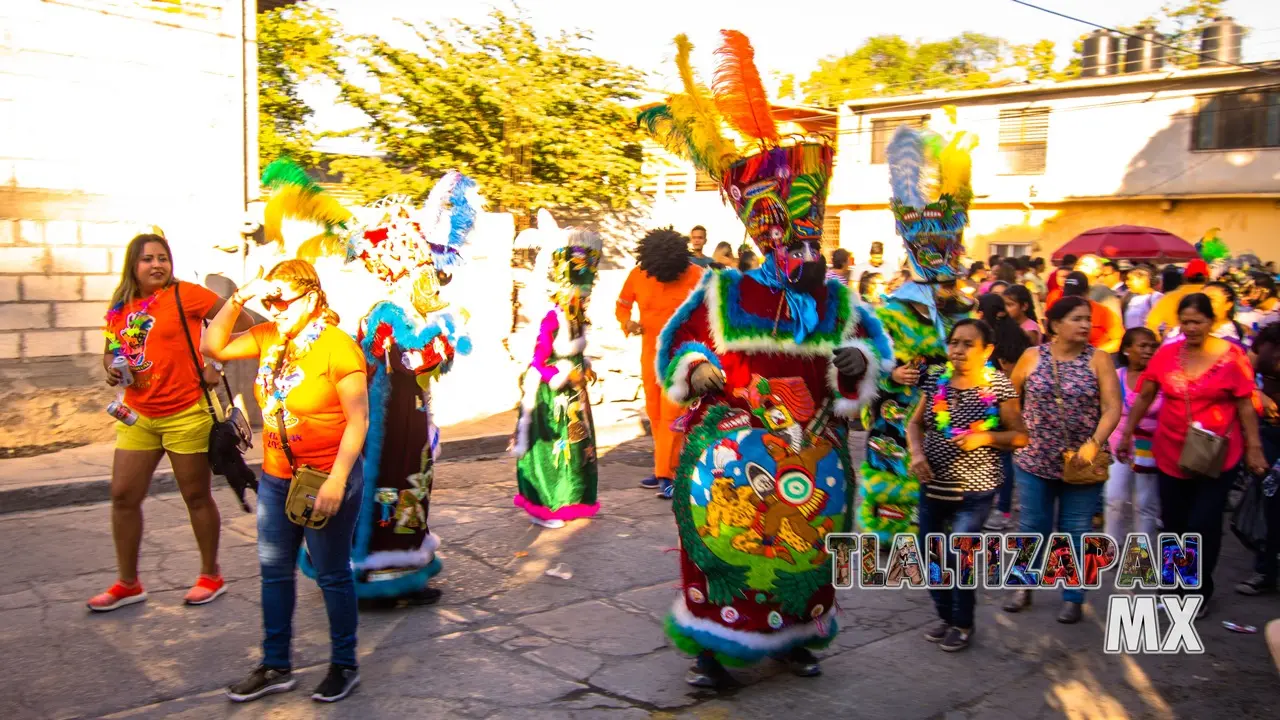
x=508, y=641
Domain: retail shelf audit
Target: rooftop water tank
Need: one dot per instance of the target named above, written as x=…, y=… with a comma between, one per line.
x=1101, y=56
x=1142, y=53
x=1220, y=43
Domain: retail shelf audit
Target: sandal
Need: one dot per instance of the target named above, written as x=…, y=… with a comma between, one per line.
x=117, y=596
x=207, y=589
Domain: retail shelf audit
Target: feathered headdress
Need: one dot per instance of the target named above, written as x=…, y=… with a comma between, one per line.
x=296, y=196
x=777, y=185
x=566, y=256
x=1211, y=247
x=930, y=179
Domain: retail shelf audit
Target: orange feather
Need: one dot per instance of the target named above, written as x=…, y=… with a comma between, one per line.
x=740, y=94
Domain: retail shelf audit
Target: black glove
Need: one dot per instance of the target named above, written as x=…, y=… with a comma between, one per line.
x=849, y=361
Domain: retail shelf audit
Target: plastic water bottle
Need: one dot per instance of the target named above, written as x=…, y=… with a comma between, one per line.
x=121, y=365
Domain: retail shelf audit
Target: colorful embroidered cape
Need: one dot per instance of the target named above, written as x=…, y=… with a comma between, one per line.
x=765, y=474
x=889, y=495
x=394, y=552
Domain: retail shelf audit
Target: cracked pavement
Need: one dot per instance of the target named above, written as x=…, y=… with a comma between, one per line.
x=508, y=641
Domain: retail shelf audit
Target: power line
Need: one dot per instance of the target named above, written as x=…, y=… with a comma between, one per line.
x=1137, y=37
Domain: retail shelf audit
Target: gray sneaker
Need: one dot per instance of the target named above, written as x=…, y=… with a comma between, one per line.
x=262, y=681
x=998, y=521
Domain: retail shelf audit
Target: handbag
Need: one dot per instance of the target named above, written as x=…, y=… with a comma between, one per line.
x=1096, y=472
x=304, y=480
x=230, y=437
x=1203, y=452
x=1249, y=520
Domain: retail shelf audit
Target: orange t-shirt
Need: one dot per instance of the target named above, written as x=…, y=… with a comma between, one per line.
x=165, y=381
x=658, y=300
x=308, y=383
x=1107, y=329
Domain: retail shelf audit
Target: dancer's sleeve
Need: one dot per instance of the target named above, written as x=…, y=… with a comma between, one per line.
x=557, y=374
x=868, y=336
x=686, y=343
x=626, y=299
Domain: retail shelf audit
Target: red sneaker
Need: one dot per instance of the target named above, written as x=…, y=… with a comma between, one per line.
x=117, y=596
x=206, y=590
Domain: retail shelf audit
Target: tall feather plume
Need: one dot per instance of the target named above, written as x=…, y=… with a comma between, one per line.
x=905, y=157
x=297, y=196
x=450, y=216
x=695, y=111
x=660, y=124
x=956, y=163
x=739, y=92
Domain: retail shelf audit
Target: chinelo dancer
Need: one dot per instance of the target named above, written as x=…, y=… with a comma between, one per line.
x=918, y=315
x=767, y=363
x=662, y=279
x=410, y=338
x=555, y=439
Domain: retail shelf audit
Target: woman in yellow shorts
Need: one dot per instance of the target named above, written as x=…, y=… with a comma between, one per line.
x=164, y=391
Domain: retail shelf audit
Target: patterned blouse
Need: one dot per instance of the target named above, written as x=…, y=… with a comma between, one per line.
x=1052, y=430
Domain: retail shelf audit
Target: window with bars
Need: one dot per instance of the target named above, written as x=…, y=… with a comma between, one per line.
x=882, y=132
x=1024, y=141
x=1011, y=250
x=1236, y=121
x=702, y=182
x=830, y=233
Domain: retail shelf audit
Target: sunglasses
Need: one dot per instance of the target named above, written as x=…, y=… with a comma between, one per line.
x=274, y=303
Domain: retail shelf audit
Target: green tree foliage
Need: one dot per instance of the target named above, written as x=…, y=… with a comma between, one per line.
x=892, y=65
x=1038, y=59
x=295, y=44
x=539, y=122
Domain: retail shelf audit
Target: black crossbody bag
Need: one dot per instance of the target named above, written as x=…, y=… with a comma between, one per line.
x=230, y=438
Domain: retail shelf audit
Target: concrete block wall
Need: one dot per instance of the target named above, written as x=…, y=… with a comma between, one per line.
x=113, y=117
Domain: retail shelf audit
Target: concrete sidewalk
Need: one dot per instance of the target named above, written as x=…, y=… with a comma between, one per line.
x=82, y=475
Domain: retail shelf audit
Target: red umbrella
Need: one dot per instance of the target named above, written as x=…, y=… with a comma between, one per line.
x=1129, y=242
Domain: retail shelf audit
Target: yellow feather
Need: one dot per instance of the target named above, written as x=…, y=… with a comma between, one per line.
x=301, y=204
x=956, y=165
x=696, y=111
x=322, y=245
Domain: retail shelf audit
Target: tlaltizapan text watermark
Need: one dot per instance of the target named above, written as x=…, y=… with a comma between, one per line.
x=1027, y=561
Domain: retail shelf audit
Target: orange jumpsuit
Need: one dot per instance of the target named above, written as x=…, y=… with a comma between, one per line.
x=658, y=302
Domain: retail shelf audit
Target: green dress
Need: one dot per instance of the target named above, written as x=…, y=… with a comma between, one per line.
x=555, y=438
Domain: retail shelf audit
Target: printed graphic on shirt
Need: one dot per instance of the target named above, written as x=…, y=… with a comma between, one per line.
x=133, y=341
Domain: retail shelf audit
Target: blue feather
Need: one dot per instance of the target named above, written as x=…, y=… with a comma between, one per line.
x=451, y=213
x=905, y=157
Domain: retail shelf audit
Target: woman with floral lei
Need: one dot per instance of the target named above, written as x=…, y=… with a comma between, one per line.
x=968, y=414
x=555, y=438
x=769, y=364
x=311, y=386
x=147, y=354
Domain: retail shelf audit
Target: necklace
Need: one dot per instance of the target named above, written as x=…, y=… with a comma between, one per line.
x=275, y=385
x=134, y=323
x=942, y=411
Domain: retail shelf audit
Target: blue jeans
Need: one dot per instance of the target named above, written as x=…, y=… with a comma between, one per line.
x=330, y=549
x=954, y=605
x=1005, y=502
x=1049, y=505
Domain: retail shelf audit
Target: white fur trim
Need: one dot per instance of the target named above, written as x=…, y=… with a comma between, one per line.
x=781, y=344
x=762, y=642
x=563, y=368
x=528, y=398
x=421, y=557
x=680, y=388
x=868, y=386
x=567, y=347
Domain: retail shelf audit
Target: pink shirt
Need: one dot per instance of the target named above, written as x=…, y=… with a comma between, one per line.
x=1147, y=425
x=1213, y=397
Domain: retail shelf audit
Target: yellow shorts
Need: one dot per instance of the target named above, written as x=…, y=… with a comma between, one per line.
x=184, y=433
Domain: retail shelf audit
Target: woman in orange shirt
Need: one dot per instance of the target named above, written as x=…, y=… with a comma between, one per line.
x=311, y=380
x=147, y=353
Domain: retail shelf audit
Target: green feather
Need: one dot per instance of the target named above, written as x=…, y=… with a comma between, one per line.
x=285, y=171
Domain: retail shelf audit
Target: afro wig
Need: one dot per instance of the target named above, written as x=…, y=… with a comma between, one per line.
x=664, y=254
